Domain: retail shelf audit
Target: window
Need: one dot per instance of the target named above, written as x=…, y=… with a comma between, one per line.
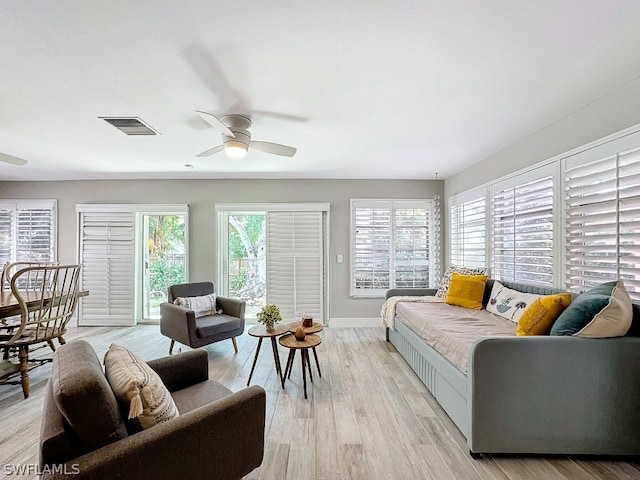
x=27, y=231
x=467, y=233
x=602, y=221
x=275, y=253
x=390, y=246
x=522, y=232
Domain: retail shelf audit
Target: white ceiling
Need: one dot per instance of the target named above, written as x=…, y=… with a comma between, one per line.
x=363, y=88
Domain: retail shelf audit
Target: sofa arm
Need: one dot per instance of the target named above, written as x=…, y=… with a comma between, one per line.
x=232, y=306
x=222, y=440
x=183, y=369
x=410, y=292
x=554, y=395
x=176, y=322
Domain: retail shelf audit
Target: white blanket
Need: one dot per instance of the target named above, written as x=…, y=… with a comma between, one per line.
x=388, y=312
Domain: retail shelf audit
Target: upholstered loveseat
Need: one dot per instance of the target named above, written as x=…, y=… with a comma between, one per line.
x=532, y=394
x=218, y=434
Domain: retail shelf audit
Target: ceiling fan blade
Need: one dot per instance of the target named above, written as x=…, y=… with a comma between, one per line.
x=274, y=148
x=211, y=151
x=5, y=157
x=216, y=123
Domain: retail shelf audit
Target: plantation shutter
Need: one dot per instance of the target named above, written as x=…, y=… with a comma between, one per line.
x=107, y=257
x=411, y=246
x=372, y=246
x=467, y=233
x=27, y=231
x=295, y=267
x=522, y=232
x=602, y=221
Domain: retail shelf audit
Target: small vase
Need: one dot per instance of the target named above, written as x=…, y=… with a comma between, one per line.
x=270, y=327
x=300, y=333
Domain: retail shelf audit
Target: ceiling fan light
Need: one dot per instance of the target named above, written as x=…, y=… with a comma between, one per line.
x=235, y=150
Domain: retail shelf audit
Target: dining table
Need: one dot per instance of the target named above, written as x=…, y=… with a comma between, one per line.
x=9, y=305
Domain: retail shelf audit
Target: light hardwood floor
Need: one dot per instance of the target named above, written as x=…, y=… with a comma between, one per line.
x=368, y=417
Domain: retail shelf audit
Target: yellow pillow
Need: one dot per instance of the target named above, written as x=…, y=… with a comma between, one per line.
x=538, y=318
x=466, y=290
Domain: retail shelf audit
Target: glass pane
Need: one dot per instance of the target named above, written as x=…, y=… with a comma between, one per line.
x=247, y=260
x=165, y=259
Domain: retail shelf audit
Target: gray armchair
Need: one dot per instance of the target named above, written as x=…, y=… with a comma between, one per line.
x=218, y=434
x=180, y=324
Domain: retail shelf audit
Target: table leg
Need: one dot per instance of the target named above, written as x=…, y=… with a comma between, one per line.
x=317, y=364
x=306, y=357
x=255, y=359
x=304, y=373
x=293, y=357
x=287, y=369
x=276, y=359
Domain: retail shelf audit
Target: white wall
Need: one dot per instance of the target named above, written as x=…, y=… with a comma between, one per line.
x=202, y=195
x=609, y=114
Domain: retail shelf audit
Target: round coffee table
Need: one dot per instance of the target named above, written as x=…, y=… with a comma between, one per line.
x=314, y=328
x=261, y=332
x=290, y=342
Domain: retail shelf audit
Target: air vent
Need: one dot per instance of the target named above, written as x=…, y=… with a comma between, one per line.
x=130, y=125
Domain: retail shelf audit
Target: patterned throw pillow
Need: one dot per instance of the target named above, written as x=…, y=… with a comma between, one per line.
x=443, y=288
x=509, y=303
x=201, y=306
x=136, y=384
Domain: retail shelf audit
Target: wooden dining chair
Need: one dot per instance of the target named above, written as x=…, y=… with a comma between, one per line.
x=48, y=296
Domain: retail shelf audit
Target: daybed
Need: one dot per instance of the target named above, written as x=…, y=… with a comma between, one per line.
x=530, y=394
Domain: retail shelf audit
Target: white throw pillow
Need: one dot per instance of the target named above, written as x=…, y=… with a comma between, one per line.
x=136, y=384
x=509, y=303
x=201, y=306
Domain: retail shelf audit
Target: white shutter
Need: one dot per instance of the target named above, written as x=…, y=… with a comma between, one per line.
x=411, y=247
x=6, y=235
x=35, y=233
x=602, y=222
x=27, y=231
x=522, y=233
x=372, y=246
x=467, y=233
x=107, y=257
x=295, y=267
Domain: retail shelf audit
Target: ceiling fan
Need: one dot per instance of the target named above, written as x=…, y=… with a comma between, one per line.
x=236, y=138
x=6, y=158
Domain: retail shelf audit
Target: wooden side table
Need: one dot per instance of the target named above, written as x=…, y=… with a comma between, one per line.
x=314, y=328
x=261, y=332
x=290, y=342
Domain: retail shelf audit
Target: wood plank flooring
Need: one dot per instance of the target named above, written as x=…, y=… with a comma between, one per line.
x=368, y=418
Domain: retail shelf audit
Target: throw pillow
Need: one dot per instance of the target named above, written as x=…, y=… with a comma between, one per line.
x=443, y=288
x=466, y=290
x=201, y=306
x=602, y=311
x=137, y=385
x=509, y=303
x=538, y=318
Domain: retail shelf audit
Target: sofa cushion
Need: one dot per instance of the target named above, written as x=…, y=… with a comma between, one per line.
x=538, y=318
x=466, y=291
x=215, y=324
x=199, y=394
x=443, y=288
x=602, y=311
x=509, y=303
x=202, y=306
x=84, y=397
x=138, y=386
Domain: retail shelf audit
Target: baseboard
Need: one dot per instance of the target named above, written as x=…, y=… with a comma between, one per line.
x=354, y=322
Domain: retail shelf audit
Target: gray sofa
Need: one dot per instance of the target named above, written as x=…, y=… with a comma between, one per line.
x=219, y=434
x=538, y=394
